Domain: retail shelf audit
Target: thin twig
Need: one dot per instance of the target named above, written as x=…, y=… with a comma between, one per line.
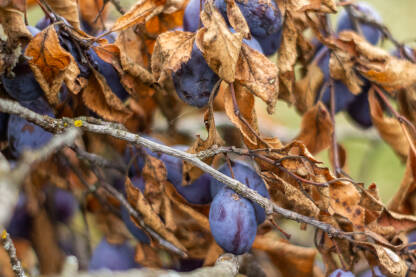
x=8, y=245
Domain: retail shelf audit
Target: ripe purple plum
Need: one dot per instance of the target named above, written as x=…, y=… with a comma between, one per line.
x=263, y=16
x=371, y=33
x=232, y=221
x=271, y=43
x=195, y=80
x=20, y=224
x=341, y=273
x=359, y=110
x=248, y=176
x=191, y=19
x=198, y=192
x=63, y=205
x=22, y=134
x=112, y=257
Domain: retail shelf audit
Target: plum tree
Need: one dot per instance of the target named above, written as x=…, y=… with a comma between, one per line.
x=22, y=134
x=195, y=80
x=371, y=33
x=198, y=192
x=263, y=16
x=112, y=256
x=232, y=221
x=247, y=176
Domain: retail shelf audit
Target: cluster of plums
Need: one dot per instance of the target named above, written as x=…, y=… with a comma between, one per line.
x=195, y=80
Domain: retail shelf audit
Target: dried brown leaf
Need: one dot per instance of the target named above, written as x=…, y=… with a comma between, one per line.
x=341, y=67
x=220, y=48
x=98, y=97
x=259, y=75
x=51, y=64
x=237, y=20
x=94, y=13
x=172, y=49
x=316, y=129
x=67, y=9
x=388, y=127
x=307, y=88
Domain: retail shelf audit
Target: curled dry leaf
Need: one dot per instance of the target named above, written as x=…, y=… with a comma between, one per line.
x=307, y=88
x=341, y=67
x=51, y=64
x=94, y=12
x=316, y=129
x=98, y=97
x=391, y=264
x=220, y=47
x=150, y=218
x=291, y=260
x=67, y=9
x=258, y=75
x=171, y=50
x=323, y=6
x=154, y=174
x=388, y=127
x=142, y=11
x=237, y=20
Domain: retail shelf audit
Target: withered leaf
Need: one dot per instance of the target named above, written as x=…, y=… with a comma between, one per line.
x=143, y=10
x=150, y=218
x=67, y=9
x=218, y=45
x=51, y=64
x=259, y=75
x=94, y=12
x=99, y=97
x=341, y=67
x=316, y=129
x=389, y=128
x=171, y=50
x=237, y=20
x=391, y=264
x=307, y=88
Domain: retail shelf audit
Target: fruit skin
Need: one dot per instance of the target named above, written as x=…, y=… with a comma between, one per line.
x=263, y=16
x=112, y=257
x=341, y=273
x=23, y=134
x=372, y=34
x=198, y=192
x=20, y=224
x=343, y=97
x=359, y=110
x=232, y=221
x=271, y=43
x=195, y=80
x=191, y=17
x=63, y=205
x=247, y=176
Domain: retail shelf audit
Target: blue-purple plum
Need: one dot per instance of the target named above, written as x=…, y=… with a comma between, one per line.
x=371, y=33
x=191, y=19
x=22, y=134
x=359, y=110
x=20, y=224
x=343, y=97
x=341, y=273
x=252, y=43
x=263, y=16
x=195, y=80
x=271, y=43
x=369, y=273
x=232, y=221
x=248, y=176
x=198, y=192
x=64, y=205
x=110, y=75
x=112, y=257
x=43, y=23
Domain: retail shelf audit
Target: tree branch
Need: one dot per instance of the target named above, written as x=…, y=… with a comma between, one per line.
x=8, y=245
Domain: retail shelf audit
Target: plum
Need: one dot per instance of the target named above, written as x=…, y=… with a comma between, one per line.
x=112, y=257
x=63, y=205
x=359, y=110
x=20, y=224
x=371, y=33
x=22, y=134
x=341, y=273
x=195, y=80
x=191, y=19
x=198, y=192
x=43, y=23
x=263, y=16
x=232, y=221
x=369, y=273
x=271, y=43
x=343, y=97
x=136, y=231
x=248, y=176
